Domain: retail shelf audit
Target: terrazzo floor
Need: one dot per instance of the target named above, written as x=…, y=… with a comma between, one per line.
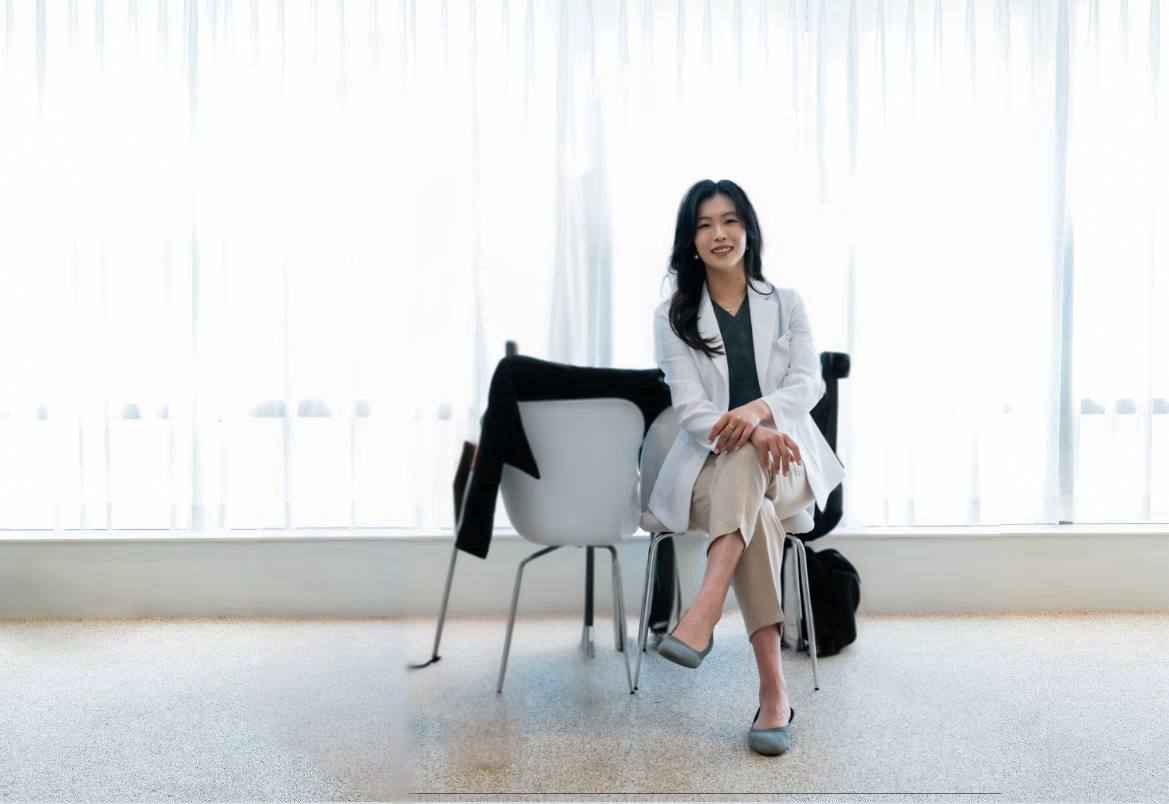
x=1022, y=707
x=1006, y=707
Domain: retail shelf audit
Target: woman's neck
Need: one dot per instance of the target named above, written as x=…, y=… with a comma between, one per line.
x=726, y=288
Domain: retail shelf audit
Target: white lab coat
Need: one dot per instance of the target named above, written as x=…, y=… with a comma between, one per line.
x=790, y=380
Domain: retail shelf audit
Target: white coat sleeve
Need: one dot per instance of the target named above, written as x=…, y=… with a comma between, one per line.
x=802, y=385
x=696, y=413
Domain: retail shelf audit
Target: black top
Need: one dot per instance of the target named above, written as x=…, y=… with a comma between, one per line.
x=740, y=349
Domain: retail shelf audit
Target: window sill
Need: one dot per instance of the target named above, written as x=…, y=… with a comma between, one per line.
x=509, y=534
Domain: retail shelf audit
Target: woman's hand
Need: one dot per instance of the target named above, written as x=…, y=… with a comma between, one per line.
x=775, y=448
x=734, y=428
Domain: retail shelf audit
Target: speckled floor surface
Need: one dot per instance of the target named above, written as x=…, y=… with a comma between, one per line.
x=201, y=710
x=1065, y=707
x=1024, y=707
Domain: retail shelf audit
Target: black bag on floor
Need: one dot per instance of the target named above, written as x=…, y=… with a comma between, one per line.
x=835, y=586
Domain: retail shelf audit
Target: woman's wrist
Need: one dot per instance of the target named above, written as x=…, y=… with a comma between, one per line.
x=761, y=430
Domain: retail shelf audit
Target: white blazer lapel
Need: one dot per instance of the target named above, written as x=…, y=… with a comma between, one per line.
x=764, y=311
x=708, y=328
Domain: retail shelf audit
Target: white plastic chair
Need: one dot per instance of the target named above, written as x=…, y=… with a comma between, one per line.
x=586, y=495
x=657, y=443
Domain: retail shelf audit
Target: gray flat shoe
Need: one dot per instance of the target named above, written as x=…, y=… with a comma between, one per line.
x=771, y=742
x=679, y=652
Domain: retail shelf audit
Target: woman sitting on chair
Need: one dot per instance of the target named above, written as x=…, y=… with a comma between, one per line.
x=743, y=376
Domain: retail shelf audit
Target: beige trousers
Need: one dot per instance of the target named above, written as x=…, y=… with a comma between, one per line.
x=734, y=492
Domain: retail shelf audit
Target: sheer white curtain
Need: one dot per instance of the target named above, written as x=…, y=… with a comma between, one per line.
x=258, y=258
x=1118, y=200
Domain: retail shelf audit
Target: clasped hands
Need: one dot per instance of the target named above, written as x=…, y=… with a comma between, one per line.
x=736, y=427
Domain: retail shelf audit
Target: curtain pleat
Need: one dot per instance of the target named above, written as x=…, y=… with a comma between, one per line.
x=258, y=259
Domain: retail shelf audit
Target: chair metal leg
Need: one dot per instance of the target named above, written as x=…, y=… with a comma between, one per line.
x=792, y=632
x=646, y=591
x=806, y=598
x=446, y=596
x=642, y=615
x=515, y=597
x=586, y=632
x=621, y=604
x=801, y=605
x=676, y=608
x=619, y=614
x=801, y=626
x=618, y=623
x=618, y=604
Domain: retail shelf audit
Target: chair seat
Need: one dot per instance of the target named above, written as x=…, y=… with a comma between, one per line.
x=651, y=524
x=799, y=522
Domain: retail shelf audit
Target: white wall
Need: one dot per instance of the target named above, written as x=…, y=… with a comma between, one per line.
x=1070, y=569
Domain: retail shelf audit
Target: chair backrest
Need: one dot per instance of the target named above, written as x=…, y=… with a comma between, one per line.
x=658, y=442
x=586, y=452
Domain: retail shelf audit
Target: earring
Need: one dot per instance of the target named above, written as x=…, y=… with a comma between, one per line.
x=695, y=256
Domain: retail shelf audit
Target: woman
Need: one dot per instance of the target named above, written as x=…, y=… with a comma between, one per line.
x=743, y=373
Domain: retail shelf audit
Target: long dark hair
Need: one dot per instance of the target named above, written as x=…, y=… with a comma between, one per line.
x=690, y=273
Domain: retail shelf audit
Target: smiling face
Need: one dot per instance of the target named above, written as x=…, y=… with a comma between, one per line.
x=720, y=238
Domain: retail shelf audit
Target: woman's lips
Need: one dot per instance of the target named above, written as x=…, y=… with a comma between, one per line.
x=720, y=253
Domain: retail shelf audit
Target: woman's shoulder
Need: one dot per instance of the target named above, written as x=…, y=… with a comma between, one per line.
x=782, y=295
x=771, y=292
